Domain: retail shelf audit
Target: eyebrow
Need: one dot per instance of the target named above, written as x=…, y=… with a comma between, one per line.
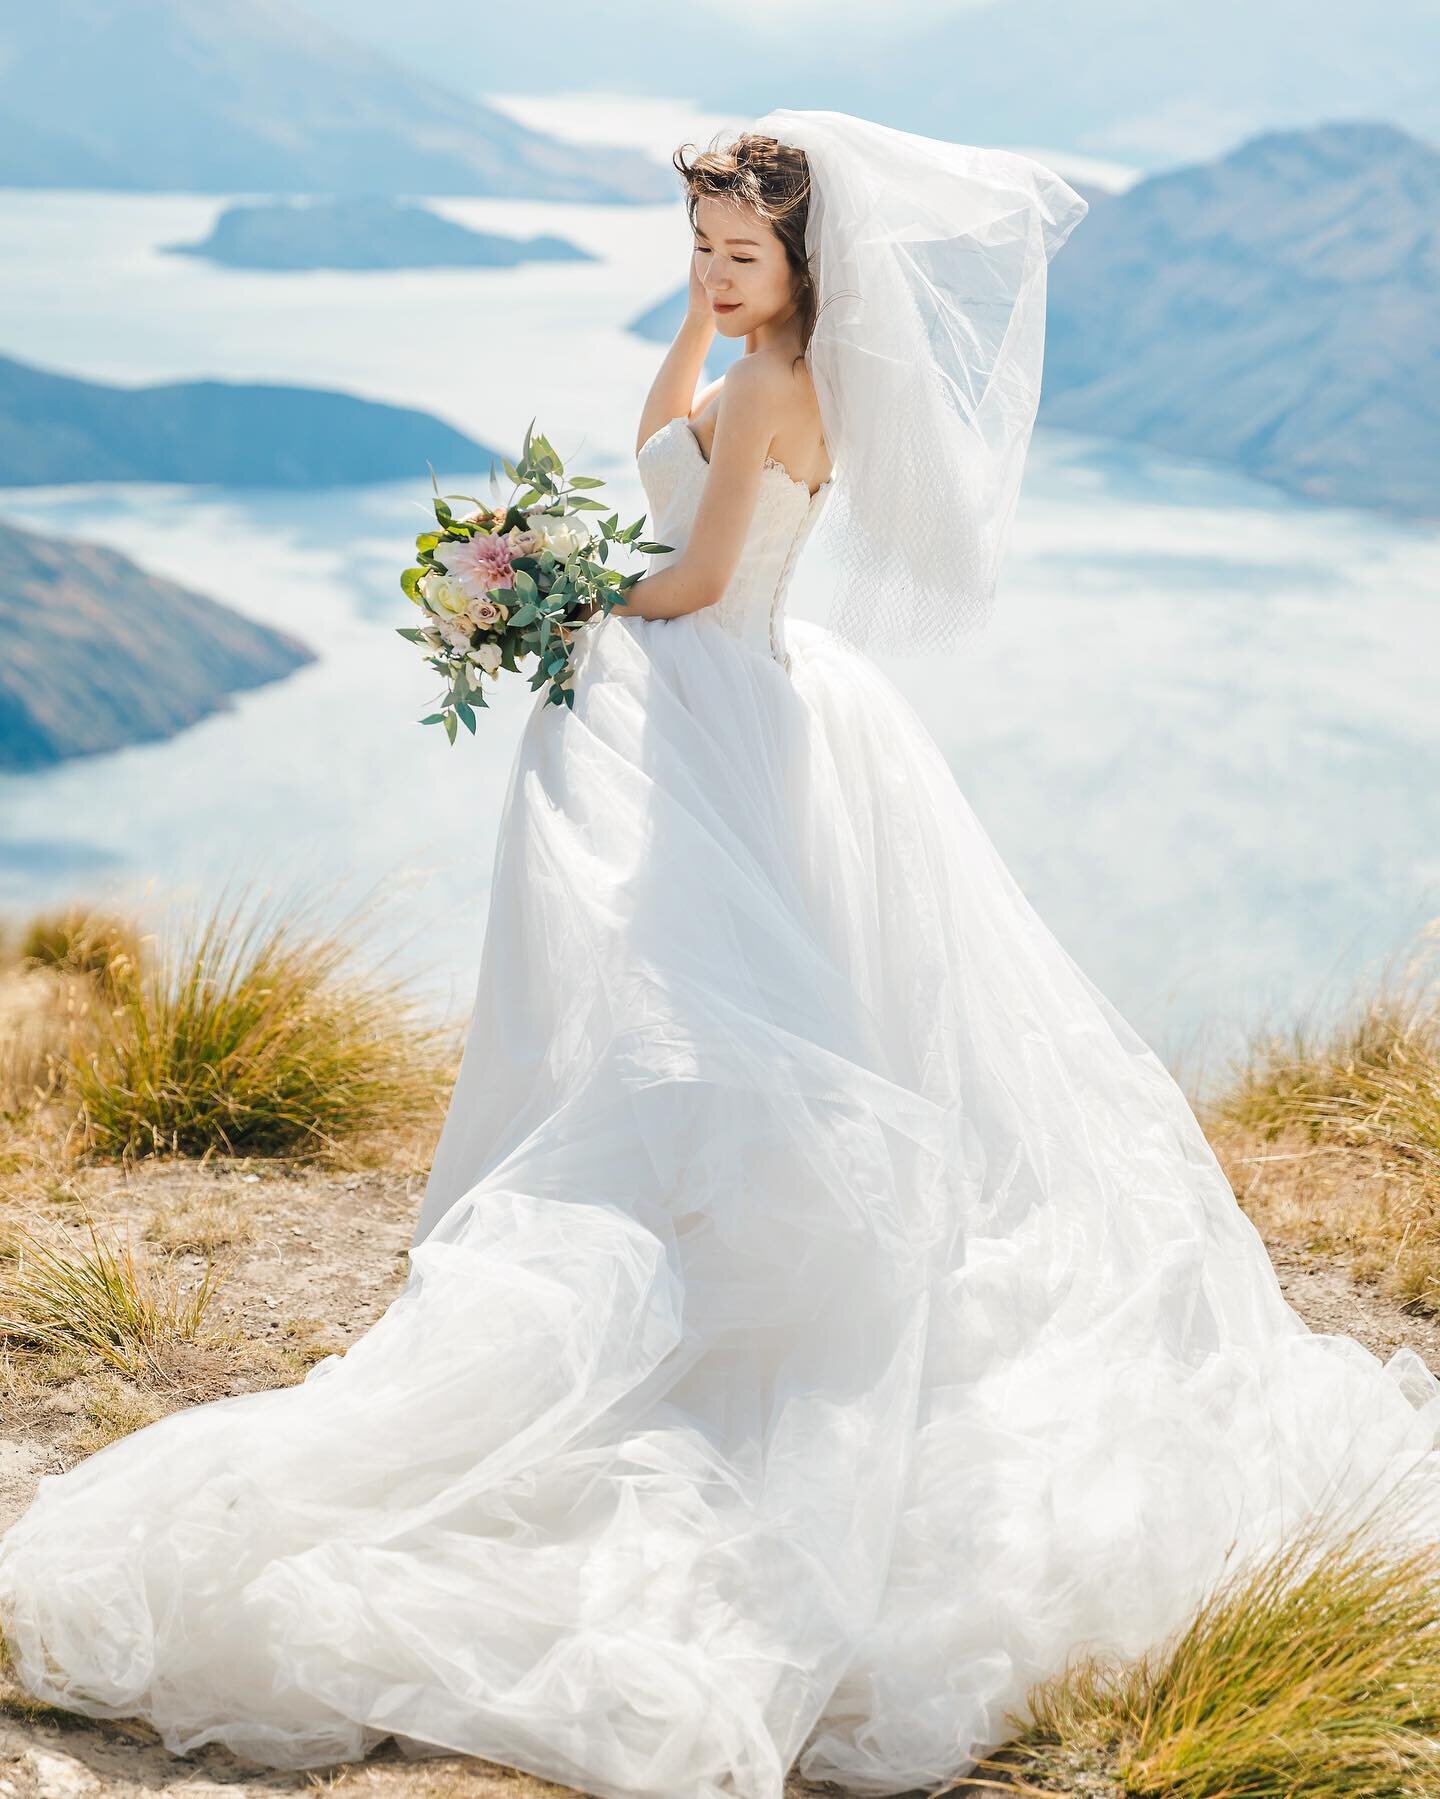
x=732, y=240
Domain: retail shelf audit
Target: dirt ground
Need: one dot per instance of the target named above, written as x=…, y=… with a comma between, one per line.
x=310, y=1259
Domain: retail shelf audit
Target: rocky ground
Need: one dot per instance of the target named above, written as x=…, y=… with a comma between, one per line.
x=310, y=1258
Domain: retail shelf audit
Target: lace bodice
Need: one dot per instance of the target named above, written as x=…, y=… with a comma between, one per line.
x=672, y=468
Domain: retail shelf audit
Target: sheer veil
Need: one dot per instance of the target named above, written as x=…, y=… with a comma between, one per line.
x=930, y=263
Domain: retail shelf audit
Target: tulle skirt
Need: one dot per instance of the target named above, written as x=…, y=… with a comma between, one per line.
x=826, y=1315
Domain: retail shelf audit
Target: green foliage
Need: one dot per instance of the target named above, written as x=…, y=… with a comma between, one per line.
x=552, y=596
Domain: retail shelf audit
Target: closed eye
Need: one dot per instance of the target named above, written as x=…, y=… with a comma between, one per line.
x=705, y=250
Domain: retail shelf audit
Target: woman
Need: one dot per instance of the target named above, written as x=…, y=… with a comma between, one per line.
x=826, y=1314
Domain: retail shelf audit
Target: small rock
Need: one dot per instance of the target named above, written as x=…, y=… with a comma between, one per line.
x=60, y=1776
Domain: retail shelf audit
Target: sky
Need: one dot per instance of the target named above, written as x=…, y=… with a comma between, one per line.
x=1133, y=83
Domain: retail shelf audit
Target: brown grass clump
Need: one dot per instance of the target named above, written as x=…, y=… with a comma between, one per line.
x=1311, y=1672
x=247, y=1030
x=98, y=1300
x=1330, y=1132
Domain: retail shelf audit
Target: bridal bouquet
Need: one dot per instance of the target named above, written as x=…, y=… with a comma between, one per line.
x=503, y=582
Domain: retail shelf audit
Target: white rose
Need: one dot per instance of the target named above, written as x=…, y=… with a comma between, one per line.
x=444, y=597
x=456, y=632
x=561, y=536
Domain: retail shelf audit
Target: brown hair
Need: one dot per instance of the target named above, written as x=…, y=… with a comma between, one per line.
x=771, y=178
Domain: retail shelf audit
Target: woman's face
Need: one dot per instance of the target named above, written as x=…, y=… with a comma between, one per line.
x=742, y=265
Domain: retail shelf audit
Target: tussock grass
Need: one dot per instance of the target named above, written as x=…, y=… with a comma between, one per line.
x=80, y=940
x=250, y=1033
x=1331, y=1132
x=37, y=1014
x=1311, y=1672
x=1371, y=1080
x=98, y=1299
x=201, y=1224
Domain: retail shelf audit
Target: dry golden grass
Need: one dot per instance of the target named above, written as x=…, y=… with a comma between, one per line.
x=244, y=1030
x=80, y=940
x=1330, y=1133
x=251, y=1032
x=201, y=1224
x=99, y=1300
x=1312, y=1672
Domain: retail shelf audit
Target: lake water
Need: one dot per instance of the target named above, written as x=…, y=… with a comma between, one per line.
x=1202, y=729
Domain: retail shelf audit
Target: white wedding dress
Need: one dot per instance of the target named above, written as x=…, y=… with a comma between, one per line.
x=826, y=1314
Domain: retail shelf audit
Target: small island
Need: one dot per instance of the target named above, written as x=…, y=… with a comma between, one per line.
x=96, y=654
x=58, y=428
x=362, y=233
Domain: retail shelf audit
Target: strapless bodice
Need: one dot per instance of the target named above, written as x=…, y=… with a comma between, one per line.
x=672, y=469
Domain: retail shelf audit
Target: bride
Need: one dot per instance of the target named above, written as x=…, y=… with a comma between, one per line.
x=826, y=1315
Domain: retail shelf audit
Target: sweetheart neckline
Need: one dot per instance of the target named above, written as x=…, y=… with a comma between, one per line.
x=769, y=462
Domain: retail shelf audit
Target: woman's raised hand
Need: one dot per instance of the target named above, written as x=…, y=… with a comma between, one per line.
x=699, y=296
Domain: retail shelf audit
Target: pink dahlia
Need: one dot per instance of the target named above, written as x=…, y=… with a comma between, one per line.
x=477, y=563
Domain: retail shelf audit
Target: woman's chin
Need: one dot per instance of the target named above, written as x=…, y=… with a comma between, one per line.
x=728, y=324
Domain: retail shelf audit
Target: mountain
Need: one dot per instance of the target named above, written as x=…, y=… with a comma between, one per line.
x=366, y=232
x=1148, y=83
x=96, y=654
x=58, y=428
x=1277, y=310
x=256, y=96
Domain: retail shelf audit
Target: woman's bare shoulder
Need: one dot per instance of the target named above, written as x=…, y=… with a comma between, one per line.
x=765, y=382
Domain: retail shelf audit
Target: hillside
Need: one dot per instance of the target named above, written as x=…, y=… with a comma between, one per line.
x=254, y=96
x=56, y=428
x=1277, y=311
x=96, y=654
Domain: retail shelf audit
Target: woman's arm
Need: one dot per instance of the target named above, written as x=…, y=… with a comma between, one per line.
x=706, y=395
x=744, y=429
x=672, y=392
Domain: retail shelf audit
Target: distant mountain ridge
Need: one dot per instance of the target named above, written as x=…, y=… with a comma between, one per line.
x=1277, y=310
x=256, y=96
x=59, y=428
x=96, y=654
x=363, y=232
